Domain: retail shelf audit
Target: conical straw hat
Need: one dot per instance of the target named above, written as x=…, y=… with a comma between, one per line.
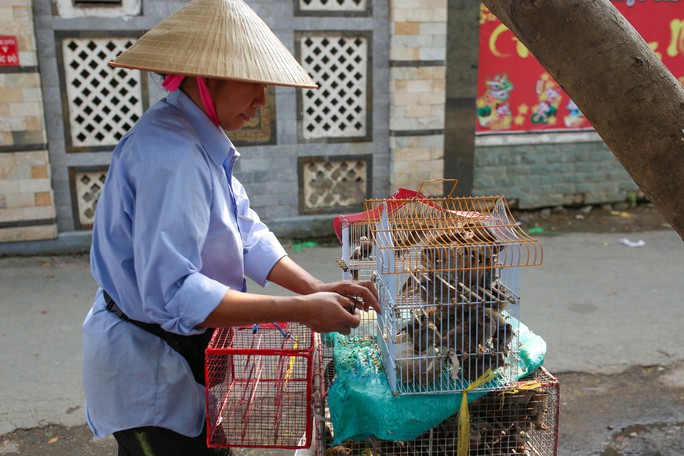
x=222, y=39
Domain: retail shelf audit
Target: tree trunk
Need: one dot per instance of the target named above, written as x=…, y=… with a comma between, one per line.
x=631, y=99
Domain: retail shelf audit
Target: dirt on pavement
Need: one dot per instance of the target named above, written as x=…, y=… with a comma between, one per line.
x=616, y=218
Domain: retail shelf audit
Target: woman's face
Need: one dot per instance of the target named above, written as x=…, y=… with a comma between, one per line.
x=236, y=102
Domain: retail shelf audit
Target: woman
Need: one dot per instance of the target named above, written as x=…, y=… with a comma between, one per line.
x=174, y=236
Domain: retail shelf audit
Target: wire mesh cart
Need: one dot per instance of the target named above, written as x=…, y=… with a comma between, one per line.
x=522, y=420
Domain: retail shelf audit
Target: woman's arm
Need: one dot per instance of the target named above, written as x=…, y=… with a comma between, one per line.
x=293, y=277
x=322, y=312
x=323, y=307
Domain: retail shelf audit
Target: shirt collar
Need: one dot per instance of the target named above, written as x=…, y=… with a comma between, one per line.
x=214, y=140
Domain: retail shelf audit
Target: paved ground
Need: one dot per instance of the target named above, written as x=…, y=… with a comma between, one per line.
x=611, y=316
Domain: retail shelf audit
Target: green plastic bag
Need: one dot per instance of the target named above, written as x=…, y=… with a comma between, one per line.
x=362, y=404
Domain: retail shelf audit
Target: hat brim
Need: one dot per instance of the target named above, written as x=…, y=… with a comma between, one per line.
x=158, y=70
x=222, y=39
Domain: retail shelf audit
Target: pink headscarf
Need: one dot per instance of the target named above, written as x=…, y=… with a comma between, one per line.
x=173, y=81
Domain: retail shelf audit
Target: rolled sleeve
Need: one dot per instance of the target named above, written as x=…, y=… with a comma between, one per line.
x=262, y=256
x=205, y=295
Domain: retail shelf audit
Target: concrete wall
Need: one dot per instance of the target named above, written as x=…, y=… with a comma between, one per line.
x=550, y=169
x=270, y=170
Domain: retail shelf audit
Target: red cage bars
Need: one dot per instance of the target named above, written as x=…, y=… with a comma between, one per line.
x=259, y=386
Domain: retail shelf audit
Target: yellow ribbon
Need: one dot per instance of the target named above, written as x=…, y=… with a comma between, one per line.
x=529, y=385
x=464, y=413
x=290, y=366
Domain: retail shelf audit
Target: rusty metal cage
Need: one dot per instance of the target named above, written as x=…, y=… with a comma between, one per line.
x=259, y=386
x=448, y=274
x=522, y=420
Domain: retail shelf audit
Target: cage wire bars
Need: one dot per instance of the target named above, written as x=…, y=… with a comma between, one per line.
x=448, y=274
x=447, y=271
x=259, y=386
x=522, y=420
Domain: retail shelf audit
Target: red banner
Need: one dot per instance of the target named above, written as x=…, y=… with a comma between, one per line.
x=9, y=55
x=516, y=94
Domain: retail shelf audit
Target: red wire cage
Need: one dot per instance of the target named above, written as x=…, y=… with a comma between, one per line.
x=259, y=386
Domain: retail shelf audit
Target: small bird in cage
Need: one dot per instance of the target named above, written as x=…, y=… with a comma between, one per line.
x=361, y=252
x=467, y=255
x=472, y=337
x=419, y=356
x=464, y=256
x=423, y=332
x=481, y=337
x=539, y=405
x=417, y=368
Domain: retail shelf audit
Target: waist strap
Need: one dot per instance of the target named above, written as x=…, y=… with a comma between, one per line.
x=149, y=327
x=189, y=347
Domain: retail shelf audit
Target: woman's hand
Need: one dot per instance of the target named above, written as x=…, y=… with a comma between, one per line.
x=359, y=294
x=328, y=307
x=330, y=312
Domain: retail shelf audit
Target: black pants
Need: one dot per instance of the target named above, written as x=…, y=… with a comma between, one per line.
x=156, y=441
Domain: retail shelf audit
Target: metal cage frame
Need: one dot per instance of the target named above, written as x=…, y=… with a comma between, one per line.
x=259, y=386
x=447, y=271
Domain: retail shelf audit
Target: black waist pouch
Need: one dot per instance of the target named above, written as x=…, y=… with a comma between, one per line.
x=189, y=347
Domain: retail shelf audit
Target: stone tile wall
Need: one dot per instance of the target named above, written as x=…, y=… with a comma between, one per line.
x=27, y=210
x=271, y=151
x=417, y=92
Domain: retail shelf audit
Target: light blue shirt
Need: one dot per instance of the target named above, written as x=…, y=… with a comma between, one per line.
x=173, y=232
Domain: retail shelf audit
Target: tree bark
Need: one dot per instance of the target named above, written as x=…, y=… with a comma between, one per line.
x=631, y=99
